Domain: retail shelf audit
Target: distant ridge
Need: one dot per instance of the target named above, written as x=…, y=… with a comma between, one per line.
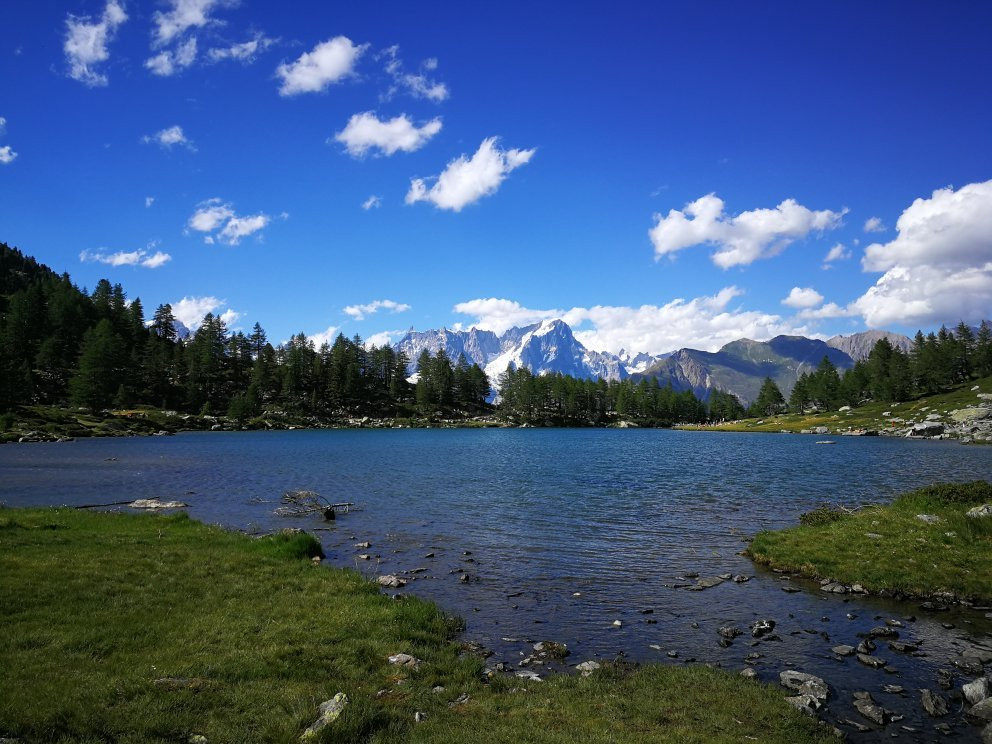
x=739, y=367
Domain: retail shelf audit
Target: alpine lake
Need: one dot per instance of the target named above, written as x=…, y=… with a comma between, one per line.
x=588, y=537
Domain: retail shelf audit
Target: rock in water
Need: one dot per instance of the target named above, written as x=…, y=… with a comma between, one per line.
x=843, y=650
x=156, y=504
x=391, y=581
x=762, y=627
x=805, y=684
x=329, y=712
x=551, y=649
x=981, y=714
x=933, y=703
x=866, y=706
x=977, y=691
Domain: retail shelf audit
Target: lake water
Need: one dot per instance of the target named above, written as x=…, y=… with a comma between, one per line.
x=562, y=532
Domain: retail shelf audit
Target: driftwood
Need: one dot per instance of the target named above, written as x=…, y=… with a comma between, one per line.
x=302, y=503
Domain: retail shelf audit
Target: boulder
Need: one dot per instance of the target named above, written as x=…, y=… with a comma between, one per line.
x=390, y=580
x=980, y=512
x=925, y=429
x=843, y=650
x=977, y=691
x=329, y=711
x=928, y=518
x=980, y=714
x=805, y=704
x=805, y=684
x=933, y=704
x=729, y=632
x=966, y=415
x=749, y=673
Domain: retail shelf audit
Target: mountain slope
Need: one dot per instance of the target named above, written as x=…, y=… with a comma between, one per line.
x=859, y=345
x=741, y=366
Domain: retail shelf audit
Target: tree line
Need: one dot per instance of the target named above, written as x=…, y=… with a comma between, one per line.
x=62, y=345
x=936, y=362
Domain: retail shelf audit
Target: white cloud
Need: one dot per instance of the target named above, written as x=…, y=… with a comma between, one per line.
x=740, y=239
x=149, y=200
x=366, y=131
x=838, y=253
x=3, y=126
x=326, y=336
x=702, y=322
x=184, y=15
x=938, y=268
x=230, y=317
x=86, y=42
x=373, y=202
x=127, y=258
x=874, y=224
x=382, y=338
x=803, y=298
x=328, y=62
x=244, y=52
x=950, y=229
x=416, y=85
x=7, y=155
x=190, y=310
x=830, y=310
x=168, y=138
x=358, y=312
x=218, y=219
x=169, y=62
x=466, y=180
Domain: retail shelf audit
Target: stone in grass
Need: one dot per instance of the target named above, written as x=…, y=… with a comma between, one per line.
x=980, y=512
x=404, y=660
x=587, y=667
x=933, y=704
x=329, y=712
x=805, y=704
x=749, y=673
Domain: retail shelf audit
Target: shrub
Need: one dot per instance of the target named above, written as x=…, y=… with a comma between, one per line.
x=821, y=515
x=975, y=492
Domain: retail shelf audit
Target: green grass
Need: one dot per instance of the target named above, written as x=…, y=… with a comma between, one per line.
x=913, y=557
x=97, y=608
x=868, y=416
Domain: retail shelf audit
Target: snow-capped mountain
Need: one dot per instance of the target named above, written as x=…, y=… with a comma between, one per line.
x=543, y=348
x=739, y=367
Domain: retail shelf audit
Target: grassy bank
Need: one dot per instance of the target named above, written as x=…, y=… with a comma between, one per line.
x=890, y=547
x=129, y=628
x=868, y=416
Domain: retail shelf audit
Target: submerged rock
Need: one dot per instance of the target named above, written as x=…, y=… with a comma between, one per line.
x=872, y=661
x=933, y=704
x=330, y=711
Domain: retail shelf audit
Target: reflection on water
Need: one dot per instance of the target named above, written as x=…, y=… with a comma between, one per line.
x=561, y=531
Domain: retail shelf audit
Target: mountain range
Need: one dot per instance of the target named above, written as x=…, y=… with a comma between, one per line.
x=739, y=367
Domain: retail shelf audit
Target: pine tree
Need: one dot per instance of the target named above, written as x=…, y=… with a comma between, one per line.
x=101, y=367
x=769, y=401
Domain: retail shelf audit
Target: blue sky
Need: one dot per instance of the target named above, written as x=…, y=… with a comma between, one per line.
x=658, y=174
